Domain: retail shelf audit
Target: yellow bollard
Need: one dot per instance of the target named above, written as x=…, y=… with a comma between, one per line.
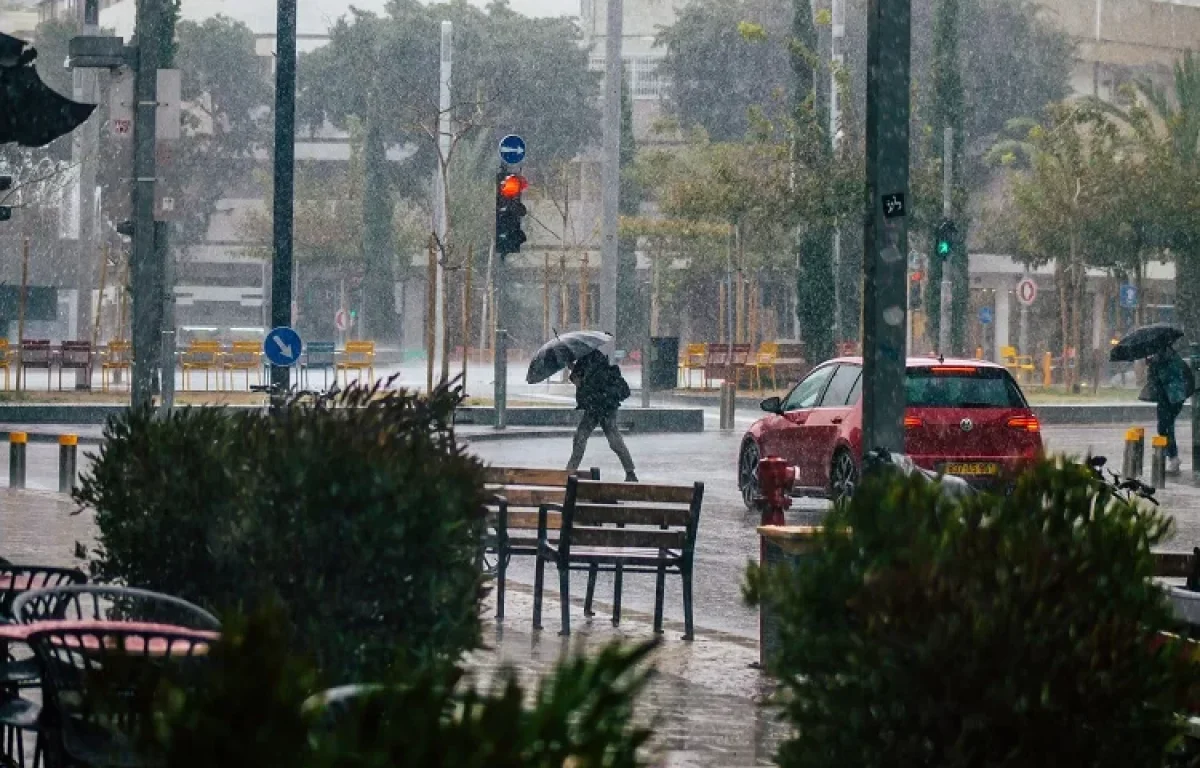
x=1158, y=461
x=1135, y=452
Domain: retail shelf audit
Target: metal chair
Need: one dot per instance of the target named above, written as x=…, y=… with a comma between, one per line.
x=18, y=714
x=358, y=356
x=36, y=353
x=319, y=355
x=76, y=355
x=118, y=357
x=244, y=356
x=6, y=359
x=99, y=680
x=102, y=602
x=201, y=356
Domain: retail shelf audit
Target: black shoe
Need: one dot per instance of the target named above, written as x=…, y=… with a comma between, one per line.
x=631, y=477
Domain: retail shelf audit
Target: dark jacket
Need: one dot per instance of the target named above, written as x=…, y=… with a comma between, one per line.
x=1169, y=380
x=599, y=387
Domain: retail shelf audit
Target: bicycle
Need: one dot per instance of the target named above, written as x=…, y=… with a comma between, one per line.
x=1128, y=489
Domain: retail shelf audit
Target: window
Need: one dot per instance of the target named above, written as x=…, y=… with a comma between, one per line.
x=807, y=392
x=856, y=392
x=962, y=387
x=841, y=386
x=645, y=82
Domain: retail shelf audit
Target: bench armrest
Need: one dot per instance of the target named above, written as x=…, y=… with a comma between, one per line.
x=543, y=519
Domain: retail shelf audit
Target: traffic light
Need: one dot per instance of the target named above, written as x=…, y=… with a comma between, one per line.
x=946, y=233
x=914, y=291
x=6, y=183
x=31, y=113
x=509, y=211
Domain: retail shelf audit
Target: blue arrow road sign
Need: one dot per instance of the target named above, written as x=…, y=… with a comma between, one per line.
x=1129, y=296
x=985, y=315
x=512, y=149
x=282, y=346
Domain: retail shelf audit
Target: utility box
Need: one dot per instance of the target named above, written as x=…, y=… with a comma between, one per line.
x=663, y=370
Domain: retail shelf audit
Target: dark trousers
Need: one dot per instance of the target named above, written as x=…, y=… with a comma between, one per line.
x=1167, y=413
x=608, y=423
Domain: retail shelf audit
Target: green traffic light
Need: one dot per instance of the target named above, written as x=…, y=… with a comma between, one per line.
x=943, y=248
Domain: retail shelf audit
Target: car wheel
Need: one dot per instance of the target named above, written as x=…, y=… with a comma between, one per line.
x=748, y=475
x=843, y=475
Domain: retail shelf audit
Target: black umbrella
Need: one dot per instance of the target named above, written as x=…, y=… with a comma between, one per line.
x=562, y=350
x=31, y=113
x=1144, y=342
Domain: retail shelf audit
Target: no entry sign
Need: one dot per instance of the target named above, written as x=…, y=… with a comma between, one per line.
x=1026, y=291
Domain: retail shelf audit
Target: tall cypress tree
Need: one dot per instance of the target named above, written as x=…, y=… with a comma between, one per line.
x=811, y=152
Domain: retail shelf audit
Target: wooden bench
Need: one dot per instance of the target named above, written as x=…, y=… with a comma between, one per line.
x=620, y=528
x=790, y=363
x=515, y=496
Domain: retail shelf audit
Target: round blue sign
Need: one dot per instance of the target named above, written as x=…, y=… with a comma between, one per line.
x=512, y=149
x=282, y=346
x=985, y=315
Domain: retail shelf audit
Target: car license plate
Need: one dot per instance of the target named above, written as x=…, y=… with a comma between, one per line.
x=971, y=468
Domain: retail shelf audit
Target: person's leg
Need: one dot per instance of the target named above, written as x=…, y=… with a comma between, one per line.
x=1166, y=425
x=1172, y=445
x=617, y=443
x=587, y=425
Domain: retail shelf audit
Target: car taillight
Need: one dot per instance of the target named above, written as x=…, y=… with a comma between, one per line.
x=1025, y=423
x=912, y=421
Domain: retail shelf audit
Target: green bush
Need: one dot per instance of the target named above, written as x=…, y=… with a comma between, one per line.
x=991, y=631
x=248, y=712
x=361, y=517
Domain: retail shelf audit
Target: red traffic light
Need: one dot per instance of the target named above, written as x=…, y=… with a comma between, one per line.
x=513, y=185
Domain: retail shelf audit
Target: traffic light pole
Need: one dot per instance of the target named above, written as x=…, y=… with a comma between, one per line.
x=285, y=161
x=947, y=294
x=885, y=263
x=500, y=342
x=143, y=274
x=611, y=170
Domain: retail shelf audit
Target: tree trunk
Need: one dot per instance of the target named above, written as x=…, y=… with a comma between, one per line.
x=1062, y=279
x=1077, y=297
x=1187, y=292
x=815, y=307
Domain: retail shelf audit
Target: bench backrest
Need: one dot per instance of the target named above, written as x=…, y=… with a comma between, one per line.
x=244, y=353
x=359, y=351
x=202, y=353
x=320, y=354
x=525, y=489
x=76, y=354
x=630, y=516
x=119, y=353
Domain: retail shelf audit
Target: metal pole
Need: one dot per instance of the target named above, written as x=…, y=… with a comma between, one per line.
x=500, y=345
x=68, y=453
x=947, y=287
x=466, y=314
x=142, y=278
x=168, y=330
x=885, y=229
x=1135, y=452
x=839, y=32
x=611, y=167
x=1195, y=412
x=285, y=161
x=85, y=148
x=1158, y=461
x=1023, y=330
x=21, y=313
x=442, y=214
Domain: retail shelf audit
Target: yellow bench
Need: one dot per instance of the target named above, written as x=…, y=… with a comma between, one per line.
x=694, y=356
x=202, y=356
x=1021, y=366
x=244, y=356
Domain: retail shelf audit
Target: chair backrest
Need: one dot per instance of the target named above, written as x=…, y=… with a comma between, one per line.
x=631, y=516
x=716, y=353
x=5, y=352
x=202, y=352
x=100, y=680
x=694, y=353
x=741, y=353
x=76, y=354
x=1008, y=352
x=16, y=580
x=360, y=351
x=320, y=354
x=245, y=353
x=35, y=351
x=119, y=353
x=102, y=602
x=768, y=350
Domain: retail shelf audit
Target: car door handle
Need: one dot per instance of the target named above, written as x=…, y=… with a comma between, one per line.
x=797, y=418
x=837, y=420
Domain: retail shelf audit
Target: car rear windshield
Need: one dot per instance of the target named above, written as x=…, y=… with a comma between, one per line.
x=962, y=387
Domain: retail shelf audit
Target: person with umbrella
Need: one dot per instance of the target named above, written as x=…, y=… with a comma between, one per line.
x=599, y=391
x=599, y=388
x=1169, y=380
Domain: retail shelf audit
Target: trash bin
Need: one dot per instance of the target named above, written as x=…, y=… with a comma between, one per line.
x=664, y=363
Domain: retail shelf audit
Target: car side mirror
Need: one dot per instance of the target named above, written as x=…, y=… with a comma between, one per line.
x=772, y=405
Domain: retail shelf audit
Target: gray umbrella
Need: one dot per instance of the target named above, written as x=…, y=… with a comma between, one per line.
x=562, y=350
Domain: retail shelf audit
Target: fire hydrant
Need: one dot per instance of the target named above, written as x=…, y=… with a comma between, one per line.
x=776, y=479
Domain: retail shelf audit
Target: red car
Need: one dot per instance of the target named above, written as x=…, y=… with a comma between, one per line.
x=964, y=417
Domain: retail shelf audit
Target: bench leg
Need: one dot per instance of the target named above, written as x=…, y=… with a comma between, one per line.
x=591, y=591
x=617, y=584
x=539, y=581
x=564, y=589
x=501, y=577
x=660, y=589
x=688, y=633
x=618, y=578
